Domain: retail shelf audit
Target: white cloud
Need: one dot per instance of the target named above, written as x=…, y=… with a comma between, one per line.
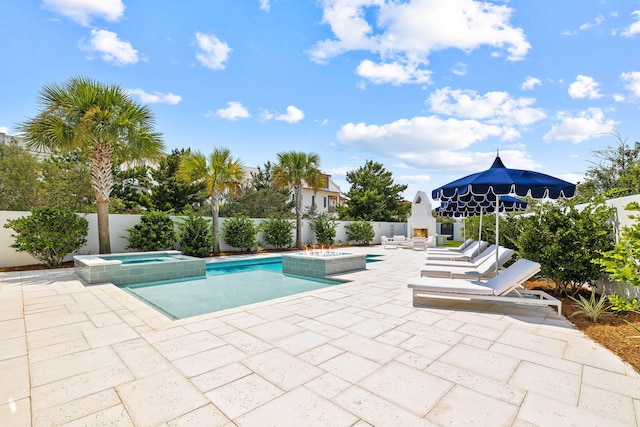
x=235, y=110
x=586, y=26
x=494, y=107
x=584, y=87
x=618, y=97
x=413, y=179
x=83, y=11
x=155, y=97
x=4, y=129
x=632, y=80
x=408, y=32
x=212, y=53
x=530, y=82
x=264, y=5
x=395, y=73
x=586, y=124
x=460, y=69
x=111, y=48
x=420, y=141
x=634, y=28
x=293, y=115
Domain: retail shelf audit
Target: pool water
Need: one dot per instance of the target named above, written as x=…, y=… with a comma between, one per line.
x=228, y=284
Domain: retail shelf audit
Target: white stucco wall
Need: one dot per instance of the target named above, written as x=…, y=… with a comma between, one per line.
x=118, y=224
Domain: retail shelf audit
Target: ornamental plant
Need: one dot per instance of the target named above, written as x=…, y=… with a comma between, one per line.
x=621, y=304
x=361, y=232
x=278, y=232
x=154, y=232
x=49, y=234
x=623, y=261
x=195, y=236
x=324, y=228
x=240, y=231
x=591, y=307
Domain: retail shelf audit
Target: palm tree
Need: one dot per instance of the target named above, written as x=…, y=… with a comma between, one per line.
x=221, y=175
x=103, y=121
x=295, y=170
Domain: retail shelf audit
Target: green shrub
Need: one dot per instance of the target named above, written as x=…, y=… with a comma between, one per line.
x=49, y=234
x=622, y=305
x=278, y=232
x=154, y=232
x=240, y=232
x=195, y=236
x=324, y=228
x=622, y=261
x=361, y=232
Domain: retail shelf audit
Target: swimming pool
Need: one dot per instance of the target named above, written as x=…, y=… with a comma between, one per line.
x=228, y=284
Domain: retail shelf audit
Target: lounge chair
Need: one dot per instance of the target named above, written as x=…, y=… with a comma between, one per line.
x=473, y=262
x=457, y=249
x=387, y=242
x=505, y=287
x=470, y=251
x=483, y=269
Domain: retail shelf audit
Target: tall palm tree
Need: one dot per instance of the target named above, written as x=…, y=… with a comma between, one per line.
x=221, y=175
x=294, y=170
x=105, y=122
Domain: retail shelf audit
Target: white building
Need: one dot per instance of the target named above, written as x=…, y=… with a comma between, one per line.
x=326, y=198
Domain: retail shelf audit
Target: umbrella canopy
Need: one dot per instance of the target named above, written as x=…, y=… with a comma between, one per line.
x=471, y=208
x=499, y=181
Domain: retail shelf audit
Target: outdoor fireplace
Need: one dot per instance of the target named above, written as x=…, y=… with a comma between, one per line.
x=420, y=232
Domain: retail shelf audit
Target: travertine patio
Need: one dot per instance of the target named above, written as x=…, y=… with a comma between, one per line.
x=356, y=354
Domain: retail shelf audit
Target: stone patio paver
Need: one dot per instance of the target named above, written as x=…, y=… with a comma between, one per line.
x=356, y=354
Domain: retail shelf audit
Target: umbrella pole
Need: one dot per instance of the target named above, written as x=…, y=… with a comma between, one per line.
x=479, y=233
x=497, y=230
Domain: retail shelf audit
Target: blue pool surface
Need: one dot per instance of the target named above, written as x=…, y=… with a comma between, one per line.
x=228, y=284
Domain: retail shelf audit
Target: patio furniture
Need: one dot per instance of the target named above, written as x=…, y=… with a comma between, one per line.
x=472, y=250
x=388, y=242
x=482, y=269
x=507, y=286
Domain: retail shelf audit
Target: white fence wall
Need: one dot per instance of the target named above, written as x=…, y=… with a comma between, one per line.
x=118, y=224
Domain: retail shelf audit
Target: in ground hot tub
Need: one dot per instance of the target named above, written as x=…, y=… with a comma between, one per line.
x=138, y=267
x=322, y=263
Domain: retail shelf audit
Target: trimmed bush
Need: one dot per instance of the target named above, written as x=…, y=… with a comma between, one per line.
x=360, y=232
x=278, y=232
x=324, y=228
x=154, y=232
x=49, y=234
x=240, y=232
x=195, y=236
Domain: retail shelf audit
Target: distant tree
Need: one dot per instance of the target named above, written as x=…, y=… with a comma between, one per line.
x=104, y=121
x=221, y=175
x=373, y=196
x=170, y=194
x=19, y=178
x=360, y=232
x=66, y=183
x=614, y=173
x=130, y=190
x=261, y=203
x=295, y=170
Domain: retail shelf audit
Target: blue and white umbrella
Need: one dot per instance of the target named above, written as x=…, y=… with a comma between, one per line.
x=499, y=181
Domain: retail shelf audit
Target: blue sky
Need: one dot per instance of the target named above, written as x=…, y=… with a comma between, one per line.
x=429, y=88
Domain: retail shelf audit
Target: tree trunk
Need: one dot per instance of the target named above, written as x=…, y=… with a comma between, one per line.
x=214, y=219
x=102, y=182
x=298, y=196
x=104, y=240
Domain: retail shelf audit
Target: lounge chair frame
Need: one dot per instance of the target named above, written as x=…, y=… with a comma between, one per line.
x=514, y=292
